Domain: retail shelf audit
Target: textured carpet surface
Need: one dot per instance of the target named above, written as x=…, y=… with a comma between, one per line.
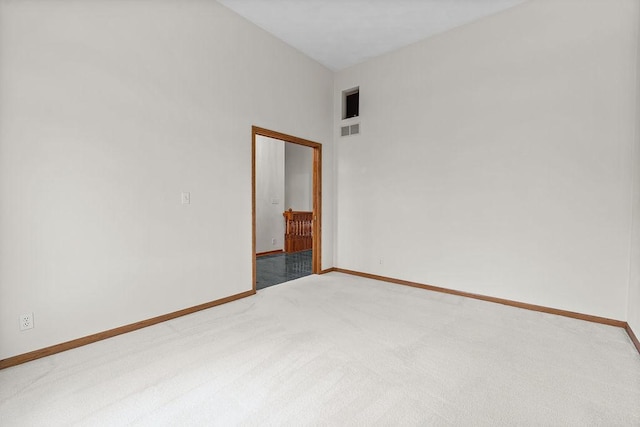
x=338, y=350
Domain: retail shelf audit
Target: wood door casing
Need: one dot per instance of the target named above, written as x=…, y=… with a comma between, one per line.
x=316, y=263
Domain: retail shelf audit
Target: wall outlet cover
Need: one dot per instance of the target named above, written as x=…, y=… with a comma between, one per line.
x=186, y=198
x=26, y=321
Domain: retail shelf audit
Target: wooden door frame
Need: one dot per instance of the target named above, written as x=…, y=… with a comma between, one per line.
x=316, y=262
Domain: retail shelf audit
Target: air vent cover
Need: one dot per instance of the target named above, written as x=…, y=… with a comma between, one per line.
x=350, y=130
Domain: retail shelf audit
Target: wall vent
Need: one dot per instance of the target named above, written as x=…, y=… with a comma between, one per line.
x=350, y=130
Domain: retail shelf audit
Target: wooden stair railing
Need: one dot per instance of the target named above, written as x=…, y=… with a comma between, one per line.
x=298, y=231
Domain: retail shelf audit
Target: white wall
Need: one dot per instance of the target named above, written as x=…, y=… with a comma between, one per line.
x=270, y=194
x=496, y=158
x=633, y=303
x=298, y=177
x=108, y=111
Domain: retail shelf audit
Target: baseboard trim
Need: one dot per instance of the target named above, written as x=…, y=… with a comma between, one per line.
x=79, y=342
x=279, y=251
x=634, y=337
x=533, y=307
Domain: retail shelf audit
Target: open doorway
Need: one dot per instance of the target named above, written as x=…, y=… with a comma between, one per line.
x=288, y=224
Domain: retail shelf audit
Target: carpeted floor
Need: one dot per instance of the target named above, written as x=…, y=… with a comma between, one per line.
x=339, y=350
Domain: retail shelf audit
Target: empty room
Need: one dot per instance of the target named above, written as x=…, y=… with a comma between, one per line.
x=471, y=201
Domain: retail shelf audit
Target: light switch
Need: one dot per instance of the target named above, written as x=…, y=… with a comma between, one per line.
x=186, y=198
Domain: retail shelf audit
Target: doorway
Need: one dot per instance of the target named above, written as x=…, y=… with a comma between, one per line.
x=316, y=194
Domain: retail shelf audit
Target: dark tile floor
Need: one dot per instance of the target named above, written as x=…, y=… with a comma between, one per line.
x=278, y=268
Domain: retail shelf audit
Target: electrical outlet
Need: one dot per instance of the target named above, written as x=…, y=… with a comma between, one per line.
x=186, y=198
x=273, y=242
x=26, y=321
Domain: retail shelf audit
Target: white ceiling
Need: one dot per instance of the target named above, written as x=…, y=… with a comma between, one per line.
x=341, y=33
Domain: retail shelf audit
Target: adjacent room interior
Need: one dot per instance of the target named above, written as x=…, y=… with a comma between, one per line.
x=492, y=162
x=284, y=238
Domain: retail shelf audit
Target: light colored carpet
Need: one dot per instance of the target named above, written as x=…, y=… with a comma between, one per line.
x=338, y=350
